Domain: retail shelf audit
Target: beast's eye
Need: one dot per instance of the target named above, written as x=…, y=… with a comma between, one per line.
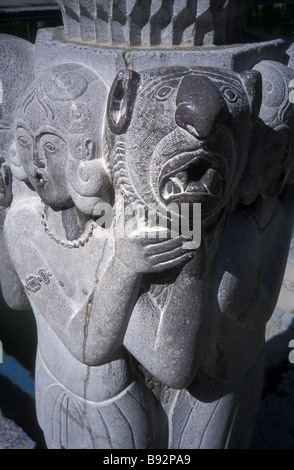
x=230, y=95
x=50, y=147
x=164, y=93
x=23, y=141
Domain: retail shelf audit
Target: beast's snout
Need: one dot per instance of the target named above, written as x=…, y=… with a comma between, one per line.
x=200, y=106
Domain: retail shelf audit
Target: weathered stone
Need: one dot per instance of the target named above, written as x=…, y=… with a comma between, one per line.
x=53, y=48
x=16, y=72
x=151, y=336
x=154, y=23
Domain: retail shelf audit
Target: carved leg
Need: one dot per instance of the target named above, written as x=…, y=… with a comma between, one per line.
x=220, y=415
x=125, y=421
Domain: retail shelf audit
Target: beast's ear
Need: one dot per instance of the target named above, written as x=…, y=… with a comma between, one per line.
x=122, y=97
x=253, y=85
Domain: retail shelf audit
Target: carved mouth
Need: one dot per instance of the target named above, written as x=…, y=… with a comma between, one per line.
x=40, y=181
x=192, y=176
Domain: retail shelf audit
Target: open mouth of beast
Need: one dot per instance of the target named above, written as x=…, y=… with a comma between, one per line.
x=191, y=177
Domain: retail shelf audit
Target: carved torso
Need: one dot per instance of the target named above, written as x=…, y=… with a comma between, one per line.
x=67, y=282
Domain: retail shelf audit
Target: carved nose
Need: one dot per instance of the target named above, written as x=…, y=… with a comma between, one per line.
x=200, y=106
x=38, y=161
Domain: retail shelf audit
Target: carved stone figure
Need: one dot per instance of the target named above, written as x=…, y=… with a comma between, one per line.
x=84, y=382
x=16, y=72
x=150, y=314
x=248, y=269
x=172, y=146
x=221, y=337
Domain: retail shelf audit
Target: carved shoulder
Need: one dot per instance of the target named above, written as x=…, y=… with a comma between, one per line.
x=21, y=224
x=11, y=286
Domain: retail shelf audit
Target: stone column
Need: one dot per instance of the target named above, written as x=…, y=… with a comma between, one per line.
x=155, y=23
x=152, y=336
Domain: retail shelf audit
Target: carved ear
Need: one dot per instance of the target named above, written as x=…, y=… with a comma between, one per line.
x=253, y=85
x=88, y=178
x=17, y=169
x=122, y=97
x=89, y=184
x=90, y=149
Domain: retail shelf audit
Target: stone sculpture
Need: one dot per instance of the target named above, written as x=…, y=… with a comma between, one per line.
x=190, y=157
x=58, y=137
x=16, y=72
x=150, y=337
x=153, y=23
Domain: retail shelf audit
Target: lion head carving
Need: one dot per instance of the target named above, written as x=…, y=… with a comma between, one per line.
x=181, y=134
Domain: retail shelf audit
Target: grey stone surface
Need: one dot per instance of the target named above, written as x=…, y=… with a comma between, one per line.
x=12, y=436
x=16, y=72
x=91, y=388
x=148, y=338
x=52, y=48
x=153, y=23
x=16, y=69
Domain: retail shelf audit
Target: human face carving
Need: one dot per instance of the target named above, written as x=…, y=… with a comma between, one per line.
x=44, y=156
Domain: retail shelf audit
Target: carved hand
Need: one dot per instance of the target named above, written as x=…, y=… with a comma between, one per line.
x=153, y=252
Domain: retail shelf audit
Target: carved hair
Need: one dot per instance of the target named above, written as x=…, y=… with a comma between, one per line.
x=70, y=99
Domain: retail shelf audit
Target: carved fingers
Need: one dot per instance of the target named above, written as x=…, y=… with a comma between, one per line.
x=174, y=254
x=149, y=254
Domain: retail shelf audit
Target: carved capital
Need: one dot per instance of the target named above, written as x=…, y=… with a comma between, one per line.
x=155, y=22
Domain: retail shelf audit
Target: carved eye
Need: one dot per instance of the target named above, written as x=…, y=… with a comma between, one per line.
x=50, y=147
x=23, y=141
x=164, y=93
x=230, y=95
x=79, y=151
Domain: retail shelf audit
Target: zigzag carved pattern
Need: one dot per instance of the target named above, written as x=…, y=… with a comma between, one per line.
x=155, y=22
